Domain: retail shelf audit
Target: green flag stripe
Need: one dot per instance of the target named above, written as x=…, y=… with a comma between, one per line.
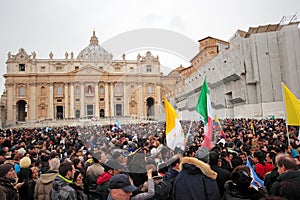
x=201, y=106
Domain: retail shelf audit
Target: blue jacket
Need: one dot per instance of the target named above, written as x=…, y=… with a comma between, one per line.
x=195, y=181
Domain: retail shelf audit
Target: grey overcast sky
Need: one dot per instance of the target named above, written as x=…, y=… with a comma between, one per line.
x=66, y=25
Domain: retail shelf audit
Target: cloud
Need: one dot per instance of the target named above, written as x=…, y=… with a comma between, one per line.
x=177, y=23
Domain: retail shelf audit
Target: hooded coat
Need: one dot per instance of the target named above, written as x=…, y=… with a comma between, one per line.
x=195, y=181
x=62, y=190
x=43, y=186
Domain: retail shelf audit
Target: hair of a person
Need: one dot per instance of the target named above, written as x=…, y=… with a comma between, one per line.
x=260, y=156
x=280, y=155
x=213, y=158
x=64, y=168
x=54, y=164
x=288, y=163
x=25, y=162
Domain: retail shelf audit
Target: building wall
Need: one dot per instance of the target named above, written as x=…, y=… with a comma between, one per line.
x=245, y=79
x=56, y=89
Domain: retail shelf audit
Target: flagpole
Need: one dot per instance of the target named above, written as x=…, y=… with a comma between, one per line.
x=286, y=122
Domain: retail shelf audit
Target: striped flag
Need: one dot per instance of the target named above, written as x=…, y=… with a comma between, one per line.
x=174, y=132
x=204, y=108
x=217, y=126
x=292, y=107
x=118, y=124
x=254, y=176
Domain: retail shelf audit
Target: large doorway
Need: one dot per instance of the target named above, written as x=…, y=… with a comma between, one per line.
x=90, y=111
x=77, y=114
x=21, y=110
x=59, y=112
x=150, y=108
x=118, y=109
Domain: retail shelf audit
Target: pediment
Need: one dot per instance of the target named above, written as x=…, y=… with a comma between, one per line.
x=89, y=70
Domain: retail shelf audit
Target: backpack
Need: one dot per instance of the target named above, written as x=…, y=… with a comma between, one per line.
x=163, y=190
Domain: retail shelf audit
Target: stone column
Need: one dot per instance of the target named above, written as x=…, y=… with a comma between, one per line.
x=97, y=114
x=140, y=101
x=51, y=111
x=112, y=105
x=72, y=114
x=11, y=114
x=106, y=100
x=82, y=95
x=126, y=99
x=32, y=110
x=157, y=101
x=66, y=101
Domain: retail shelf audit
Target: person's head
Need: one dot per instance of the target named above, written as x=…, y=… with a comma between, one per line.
x=174, y=162
x=54, y=164
x=7, y=171
x=213, y=158
x=202, y=154
x=67, y=170
x=112, y=167
x=25, y=162
x=99, y=157
x=286, y=164
x=120, y=187
x=259, y=157
x=77, y=179
x=241, y=177
x=35, y=173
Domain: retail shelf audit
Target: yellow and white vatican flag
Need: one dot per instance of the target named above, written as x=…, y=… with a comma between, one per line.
x=174, y=132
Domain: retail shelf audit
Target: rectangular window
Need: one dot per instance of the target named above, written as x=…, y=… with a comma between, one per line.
x=148, y=68
x=43, y=69
x=59, y=68
x=118, y=99
x=101, y=99
x=118, y=109
x=76, y=67
x=21, y=67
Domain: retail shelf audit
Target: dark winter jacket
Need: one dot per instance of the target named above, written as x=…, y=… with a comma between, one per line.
x=196, y=181
x=79, y=192
x=235, y=193
x=292, y=177
x=102, y=185
x=62, y=190
x=222, y=177
x=26, y=191
x=10, y=192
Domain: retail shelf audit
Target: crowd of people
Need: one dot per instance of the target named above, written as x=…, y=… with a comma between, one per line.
x=134, y=162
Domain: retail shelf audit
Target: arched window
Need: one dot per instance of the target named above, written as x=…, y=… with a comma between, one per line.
x=77, y=90
x=101, y=90
x=43, y=91
x=22, y=91
x=150, y=89
x=59, y=90
x=118, y=89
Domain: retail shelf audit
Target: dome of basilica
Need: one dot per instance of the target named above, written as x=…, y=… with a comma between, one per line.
x=94, y=52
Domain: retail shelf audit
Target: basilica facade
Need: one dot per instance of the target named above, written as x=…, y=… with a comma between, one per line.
x=91, y=85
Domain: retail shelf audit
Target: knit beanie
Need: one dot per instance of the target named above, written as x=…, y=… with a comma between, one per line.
x=202, y=154
x=4, y=169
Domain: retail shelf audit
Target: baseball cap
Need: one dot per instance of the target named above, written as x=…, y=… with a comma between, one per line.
x=121, y=181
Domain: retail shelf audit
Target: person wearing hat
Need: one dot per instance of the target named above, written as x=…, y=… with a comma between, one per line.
x=120, y=188
x=7, y=190
x=196, y=180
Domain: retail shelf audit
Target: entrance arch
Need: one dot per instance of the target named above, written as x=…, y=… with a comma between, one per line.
x=150, y=108
x=21, y=110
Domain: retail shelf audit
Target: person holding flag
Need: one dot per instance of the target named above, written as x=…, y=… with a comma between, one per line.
x=174, y=132
x=204, y=108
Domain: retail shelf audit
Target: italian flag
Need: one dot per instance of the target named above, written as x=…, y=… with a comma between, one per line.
x=174, y=132
x=204, y=108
